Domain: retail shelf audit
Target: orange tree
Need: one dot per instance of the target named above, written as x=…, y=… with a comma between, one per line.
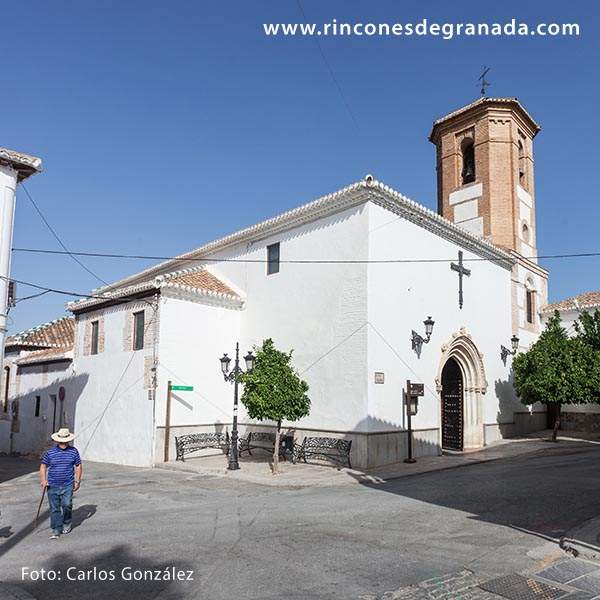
x=273, y=390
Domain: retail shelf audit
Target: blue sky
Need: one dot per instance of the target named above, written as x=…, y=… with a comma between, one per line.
x=164, y=126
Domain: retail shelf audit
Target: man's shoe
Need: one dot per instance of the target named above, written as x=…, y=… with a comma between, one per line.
x=67, y=528
x=54, y=535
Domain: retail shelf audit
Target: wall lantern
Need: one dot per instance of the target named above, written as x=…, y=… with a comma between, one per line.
x=418, y=340
x=505, y=352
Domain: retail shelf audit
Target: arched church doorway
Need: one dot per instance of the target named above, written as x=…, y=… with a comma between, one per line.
x=452, y=406
x=462, y=384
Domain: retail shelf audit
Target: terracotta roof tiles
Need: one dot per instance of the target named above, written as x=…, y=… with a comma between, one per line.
x=585, y=300
x=56, y=334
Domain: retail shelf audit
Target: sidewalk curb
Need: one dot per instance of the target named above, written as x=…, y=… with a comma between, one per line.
x=366, y=478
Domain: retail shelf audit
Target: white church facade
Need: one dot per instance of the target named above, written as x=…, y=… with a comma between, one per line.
x=347, y=281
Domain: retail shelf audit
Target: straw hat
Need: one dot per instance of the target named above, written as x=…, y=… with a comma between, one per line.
x=63, y=435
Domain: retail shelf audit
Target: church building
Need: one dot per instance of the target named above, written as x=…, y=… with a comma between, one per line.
x=369, y=288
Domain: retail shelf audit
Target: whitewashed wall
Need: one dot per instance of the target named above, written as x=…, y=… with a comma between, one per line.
x=193, y=336
x=44, y=380
x=402, y=295
x=114, y=413
x=319, y=310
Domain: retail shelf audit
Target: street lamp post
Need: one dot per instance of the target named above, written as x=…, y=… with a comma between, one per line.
x=232, y=377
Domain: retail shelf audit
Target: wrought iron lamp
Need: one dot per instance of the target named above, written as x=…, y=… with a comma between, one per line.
x=418, y=340
x=232, y=377
x=505, y=352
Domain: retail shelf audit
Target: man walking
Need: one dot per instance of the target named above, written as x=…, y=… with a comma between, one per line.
x=60, y=472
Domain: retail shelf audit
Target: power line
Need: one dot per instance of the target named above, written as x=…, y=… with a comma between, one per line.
x=63, y=245
x=331, y=72
x=46, y=290
x=57, y=237
x=297, y=261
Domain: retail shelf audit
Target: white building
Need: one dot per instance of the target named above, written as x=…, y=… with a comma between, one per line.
x=39, y=386
x=343, y=280
x=576, y=417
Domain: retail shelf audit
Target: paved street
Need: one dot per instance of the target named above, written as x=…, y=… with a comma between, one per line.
x=244, y=540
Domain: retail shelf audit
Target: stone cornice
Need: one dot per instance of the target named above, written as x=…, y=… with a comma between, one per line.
x=159, y=283
x=24, y=164
x=353, y=195
x=482, y=105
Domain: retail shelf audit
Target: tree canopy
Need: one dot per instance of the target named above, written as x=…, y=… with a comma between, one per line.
x=273, y=390
x=558, y=368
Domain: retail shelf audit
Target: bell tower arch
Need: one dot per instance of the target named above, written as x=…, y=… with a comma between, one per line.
x=485, y=184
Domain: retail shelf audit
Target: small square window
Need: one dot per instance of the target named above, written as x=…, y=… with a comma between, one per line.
x=138, y=330
x=273, y=259
x=38, y=400
x=95, y=331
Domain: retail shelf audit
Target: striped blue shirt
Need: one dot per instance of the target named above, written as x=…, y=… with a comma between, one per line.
x=61, y=465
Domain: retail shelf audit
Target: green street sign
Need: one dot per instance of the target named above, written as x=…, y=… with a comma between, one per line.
x=182, y=388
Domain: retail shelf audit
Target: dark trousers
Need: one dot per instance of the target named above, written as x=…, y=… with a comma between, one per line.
x=60, y=499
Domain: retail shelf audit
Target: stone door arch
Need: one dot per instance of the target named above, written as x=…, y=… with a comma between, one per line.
x=463, y=350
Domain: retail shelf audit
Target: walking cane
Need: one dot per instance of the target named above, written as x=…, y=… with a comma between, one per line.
x=37, y=516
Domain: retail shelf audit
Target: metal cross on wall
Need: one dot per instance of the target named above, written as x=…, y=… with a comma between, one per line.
x=462, y=271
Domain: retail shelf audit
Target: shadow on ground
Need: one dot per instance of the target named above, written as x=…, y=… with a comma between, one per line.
x=548, y=492
x=12, y=467
x=108, y=575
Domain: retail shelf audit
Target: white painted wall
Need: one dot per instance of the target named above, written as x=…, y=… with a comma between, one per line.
x=402, y=295
x=44, y=380
x=114, y=413
x=319, y=310
x=193, y=336
x=8, y=185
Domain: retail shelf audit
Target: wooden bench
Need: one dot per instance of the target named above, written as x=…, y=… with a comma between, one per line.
x=185, y=444
x=333, y=449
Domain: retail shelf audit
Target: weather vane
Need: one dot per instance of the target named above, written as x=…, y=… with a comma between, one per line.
x=482, y=79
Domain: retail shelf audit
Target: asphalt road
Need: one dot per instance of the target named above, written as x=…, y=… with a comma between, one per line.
x=247, y=541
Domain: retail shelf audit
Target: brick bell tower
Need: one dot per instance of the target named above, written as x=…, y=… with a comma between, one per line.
x=485, y=184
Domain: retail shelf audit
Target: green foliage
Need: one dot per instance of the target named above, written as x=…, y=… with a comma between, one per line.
x=557, y=369
x=588, y=328
x=273, y=390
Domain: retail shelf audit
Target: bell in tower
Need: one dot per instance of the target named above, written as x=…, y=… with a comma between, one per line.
x=485, y=171
x=485, y=185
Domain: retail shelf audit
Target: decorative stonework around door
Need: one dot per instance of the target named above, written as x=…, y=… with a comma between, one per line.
x=461, y=400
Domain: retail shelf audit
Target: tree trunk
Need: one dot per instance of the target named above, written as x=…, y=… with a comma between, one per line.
x=556, y=424
x=276, y=451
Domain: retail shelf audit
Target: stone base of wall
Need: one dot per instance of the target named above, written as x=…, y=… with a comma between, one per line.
x=579, y=421
x=369, y=450
x=523, y=423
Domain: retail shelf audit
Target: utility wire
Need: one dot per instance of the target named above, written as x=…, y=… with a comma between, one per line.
x=64, y=247
x=331, y=72
x=57, y=237
x=297, y=261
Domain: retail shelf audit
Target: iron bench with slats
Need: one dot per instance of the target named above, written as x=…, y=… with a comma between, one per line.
x=191, y=442
x=334, y=449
